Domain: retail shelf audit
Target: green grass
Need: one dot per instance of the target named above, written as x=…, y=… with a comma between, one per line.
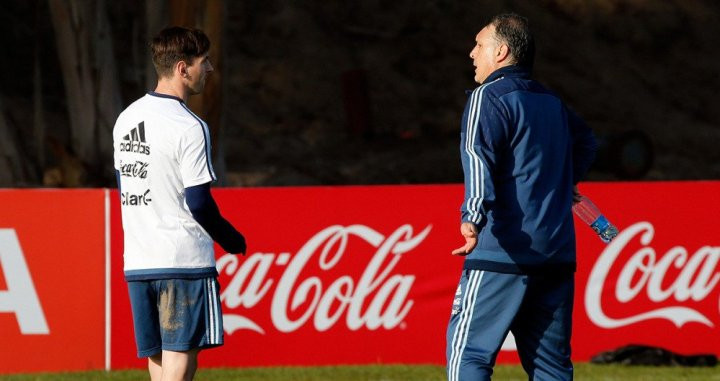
x=387, y=373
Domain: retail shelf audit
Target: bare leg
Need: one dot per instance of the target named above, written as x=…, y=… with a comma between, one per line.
x=155, y=367
x=179, y=366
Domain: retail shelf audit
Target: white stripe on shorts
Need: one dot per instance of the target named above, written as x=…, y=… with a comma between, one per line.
x=216, y=313
x=211, y=311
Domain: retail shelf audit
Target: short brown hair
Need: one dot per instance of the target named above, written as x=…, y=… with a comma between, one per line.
x=176, y=44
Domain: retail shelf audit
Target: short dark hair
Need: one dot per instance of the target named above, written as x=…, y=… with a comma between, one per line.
x=176, y=44
x=513, y=30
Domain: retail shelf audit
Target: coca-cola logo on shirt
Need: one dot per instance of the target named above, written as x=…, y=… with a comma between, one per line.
x=673, y=283
x=373, y=297
x=135, y=169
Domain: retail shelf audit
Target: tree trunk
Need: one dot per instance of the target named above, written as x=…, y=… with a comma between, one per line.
x=107, y=89
x=38, y=108
x=15, y=168
x=72, y=33
x=207, y=15
x=156, y=18
x=85, y=50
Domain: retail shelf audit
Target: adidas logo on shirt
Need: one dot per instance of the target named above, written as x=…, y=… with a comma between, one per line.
x=135, y=141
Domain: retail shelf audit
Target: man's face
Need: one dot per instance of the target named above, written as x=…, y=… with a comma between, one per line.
x=197, y=74
x=484, y=53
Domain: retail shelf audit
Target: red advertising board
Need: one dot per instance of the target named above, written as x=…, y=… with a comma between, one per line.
x=333, y=275
x=352, y=275
x=52, y=288
x=657, y=282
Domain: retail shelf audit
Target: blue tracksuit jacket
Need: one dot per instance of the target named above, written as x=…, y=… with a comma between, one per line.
x=522, y=151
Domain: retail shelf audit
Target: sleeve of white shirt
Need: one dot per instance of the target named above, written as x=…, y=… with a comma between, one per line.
x=195, y=166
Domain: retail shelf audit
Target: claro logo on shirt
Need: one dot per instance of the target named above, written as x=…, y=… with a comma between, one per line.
x=135, y=141
x=130, y=199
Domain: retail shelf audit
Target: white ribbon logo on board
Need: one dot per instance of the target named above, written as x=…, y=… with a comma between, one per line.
x=646, y=271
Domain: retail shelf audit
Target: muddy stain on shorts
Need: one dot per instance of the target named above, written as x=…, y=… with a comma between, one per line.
x=173, y=306
x=169, y=317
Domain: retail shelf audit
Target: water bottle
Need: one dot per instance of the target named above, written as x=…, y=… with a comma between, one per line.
x=590, y=214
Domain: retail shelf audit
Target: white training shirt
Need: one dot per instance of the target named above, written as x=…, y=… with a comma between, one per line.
x=161, y=148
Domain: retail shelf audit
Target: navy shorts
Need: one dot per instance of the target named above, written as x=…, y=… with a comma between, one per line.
x=176, y=314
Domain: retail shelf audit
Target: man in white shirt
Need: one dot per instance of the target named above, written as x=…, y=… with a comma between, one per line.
x=170, y=220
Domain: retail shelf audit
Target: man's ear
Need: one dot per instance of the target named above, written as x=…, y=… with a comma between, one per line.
x=181, y=69
x=503, y=53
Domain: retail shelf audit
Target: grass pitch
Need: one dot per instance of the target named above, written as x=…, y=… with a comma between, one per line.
x=387, y=373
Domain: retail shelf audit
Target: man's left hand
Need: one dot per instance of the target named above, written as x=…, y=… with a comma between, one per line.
x=469, y=231
x=577, y=197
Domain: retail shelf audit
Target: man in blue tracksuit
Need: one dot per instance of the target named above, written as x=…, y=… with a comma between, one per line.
x=522, y=153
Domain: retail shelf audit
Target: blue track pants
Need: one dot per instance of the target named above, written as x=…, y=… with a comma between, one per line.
x=536, y=308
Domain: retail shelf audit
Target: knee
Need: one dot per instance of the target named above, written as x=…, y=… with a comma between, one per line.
x=470, y=372
x=156, y=358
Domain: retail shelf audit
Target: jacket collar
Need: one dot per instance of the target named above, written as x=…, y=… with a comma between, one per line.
x=508, y=71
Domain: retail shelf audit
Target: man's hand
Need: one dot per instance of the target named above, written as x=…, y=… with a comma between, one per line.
x=576, y=195
x=469, y=231
x=241, y=248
